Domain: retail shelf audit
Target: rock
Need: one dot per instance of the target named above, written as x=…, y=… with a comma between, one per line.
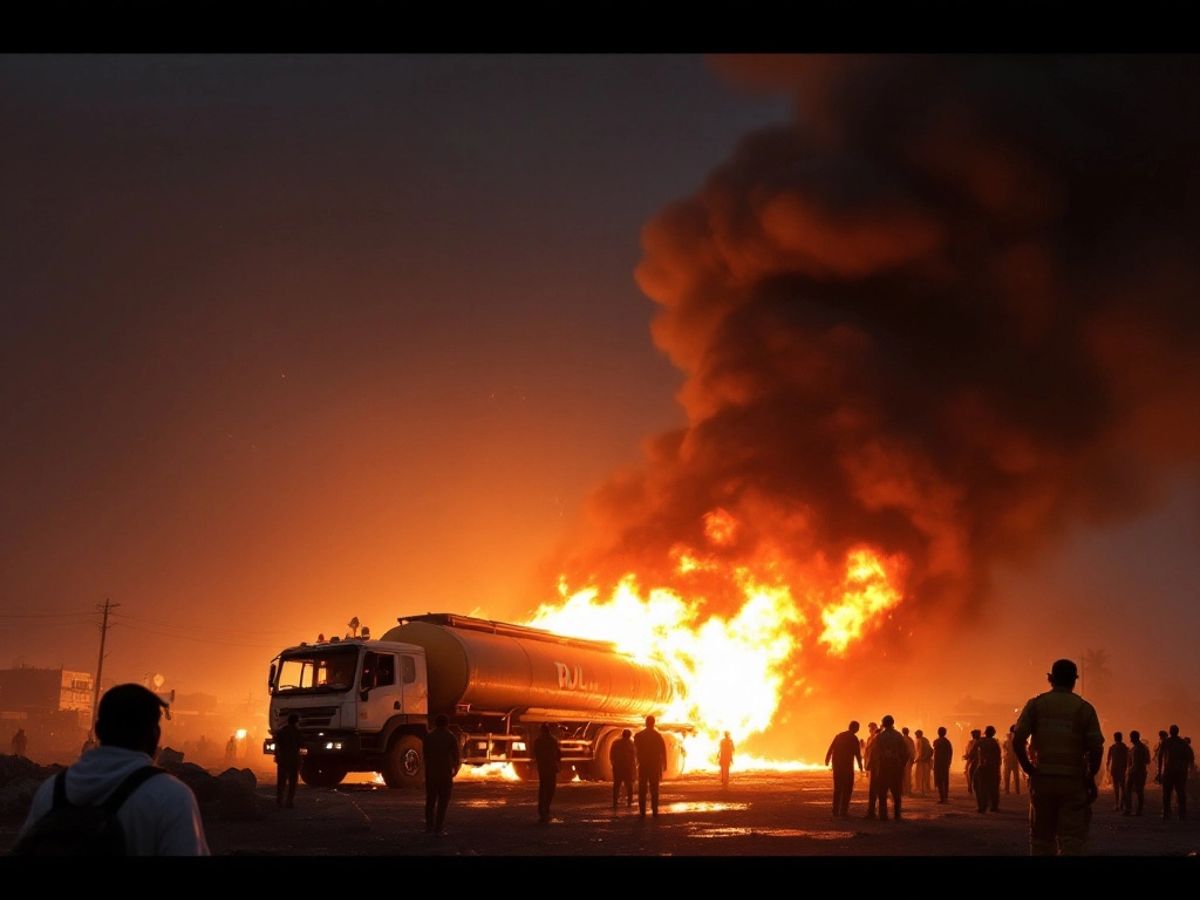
x=169, y=756
x=203, y=785
x=237, y=799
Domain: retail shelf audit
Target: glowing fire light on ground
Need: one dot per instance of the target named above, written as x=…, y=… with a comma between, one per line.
x=760, y=642
x=489, y=772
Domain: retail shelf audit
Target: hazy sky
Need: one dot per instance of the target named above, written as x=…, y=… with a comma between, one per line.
x=287, y=340
x=291, y=339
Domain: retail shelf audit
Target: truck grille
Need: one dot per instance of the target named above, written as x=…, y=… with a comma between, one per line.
x=311, y=716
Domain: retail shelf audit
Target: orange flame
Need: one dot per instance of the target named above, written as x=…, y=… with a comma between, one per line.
x=868, y=592
x=732, y=670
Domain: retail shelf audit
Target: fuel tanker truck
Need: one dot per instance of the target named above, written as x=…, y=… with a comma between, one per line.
x=364, y=705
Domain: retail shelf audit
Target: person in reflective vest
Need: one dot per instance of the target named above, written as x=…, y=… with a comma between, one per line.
x=1067, y=740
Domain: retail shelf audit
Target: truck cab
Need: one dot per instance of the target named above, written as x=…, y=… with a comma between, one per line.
x=353, y=697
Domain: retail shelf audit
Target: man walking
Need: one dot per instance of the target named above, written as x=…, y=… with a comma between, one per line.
x=843, y=753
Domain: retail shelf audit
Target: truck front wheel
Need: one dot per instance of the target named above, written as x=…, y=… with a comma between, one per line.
x=404, y=766
x=322, y=773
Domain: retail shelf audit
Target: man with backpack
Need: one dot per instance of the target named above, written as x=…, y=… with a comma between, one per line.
x=115, y=801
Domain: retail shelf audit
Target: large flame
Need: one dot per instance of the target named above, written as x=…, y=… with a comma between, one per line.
x=732, y=669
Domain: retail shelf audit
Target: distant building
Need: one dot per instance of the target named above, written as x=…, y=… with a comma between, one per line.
x=40, y=691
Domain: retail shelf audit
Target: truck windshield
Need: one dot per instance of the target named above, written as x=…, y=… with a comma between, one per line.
x=314, y=671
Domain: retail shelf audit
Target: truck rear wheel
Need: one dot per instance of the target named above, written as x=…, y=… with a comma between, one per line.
x=525, y=771
x=404, y=766
x=600, y=768
x=675, y=756
x=322, y=773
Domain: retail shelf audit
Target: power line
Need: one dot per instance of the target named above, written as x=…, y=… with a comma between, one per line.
x=220, y=629
x=192, y=637
x=55, y=615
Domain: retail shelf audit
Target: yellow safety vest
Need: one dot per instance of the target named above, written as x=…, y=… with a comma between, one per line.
x=1064, y=727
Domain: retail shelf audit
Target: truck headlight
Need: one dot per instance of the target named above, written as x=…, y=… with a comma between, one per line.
x=333, y=745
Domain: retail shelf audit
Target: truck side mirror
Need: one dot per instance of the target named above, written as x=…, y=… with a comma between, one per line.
x=271, y=678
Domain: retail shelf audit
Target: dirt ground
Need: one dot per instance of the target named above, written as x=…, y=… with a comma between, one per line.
x=760, y=814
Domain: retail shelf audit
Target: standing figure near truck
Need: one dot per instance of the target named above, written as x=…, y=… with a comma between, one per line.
x=548, y=756
x=623, y=758
x=442, y=762
x=287, y=761
x=652, y=762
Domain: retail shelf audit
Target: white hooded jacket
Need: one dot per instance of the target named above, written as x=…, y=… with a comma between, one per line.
x=160, y=818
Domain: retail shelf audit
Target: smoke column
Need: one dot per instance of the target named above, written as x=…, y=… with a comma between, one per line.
x=948, y=312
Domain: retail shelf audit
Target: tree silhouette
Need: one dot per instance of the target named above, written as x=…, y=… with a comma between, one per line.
x=353, y=626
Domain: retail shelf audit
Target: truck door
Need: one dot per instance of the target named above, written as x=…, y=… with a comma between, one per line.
x=379, y=690
x=416, y=688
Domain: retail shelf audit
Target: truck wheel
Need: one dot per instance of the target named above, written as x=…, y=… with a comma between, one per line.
x=525, y=771
x=322, y=773
x=675, y=756
x=600, y=768
x=404, y=766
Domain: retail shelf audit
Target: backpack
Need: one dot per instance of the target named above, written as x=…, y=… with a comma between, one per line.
x=70, y=830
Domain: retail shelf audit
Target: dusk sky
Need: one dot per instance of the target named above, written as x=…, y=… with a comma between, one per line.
x=287, y=340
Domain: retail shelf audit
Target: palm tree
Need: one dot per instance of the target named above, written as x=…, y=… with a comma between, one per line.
x=353, y=626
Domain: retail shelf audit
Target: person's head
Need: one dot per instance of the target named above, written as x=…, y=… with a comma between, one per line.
x=941, y=731
x=1162, y=735
x=854, y=728
x=1118, y=737
x=294, y=719
x=872, y=727
x=990, y=731
x=545, y=729
x=888, y=722
x=441, y=721
x=975, y=732
x=920, y=733
x=649, y=721
x=727, y=735
x=904, y=731
x=128, y=717
x=1174, y=731
x=1135, y=736
x=1063, y=674
x=626, y=733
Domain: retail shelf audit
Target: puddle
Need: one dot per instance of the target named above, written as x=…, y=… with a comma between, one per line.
x=773, y=832
x=702, y=806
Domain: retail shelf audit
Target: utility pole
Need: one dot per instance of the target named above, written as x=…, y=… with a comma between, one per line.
x=108, y=607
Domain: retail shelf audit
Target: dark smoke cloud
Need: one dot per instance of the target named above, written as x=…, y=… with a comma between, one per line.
x=948, y=311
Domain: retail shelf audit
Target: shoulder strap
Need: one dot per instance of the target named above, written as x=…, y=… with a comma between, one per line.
x=118, y=797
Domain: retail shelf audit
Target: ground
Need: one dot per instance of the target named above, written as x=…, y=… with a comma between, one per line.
x=759, y=814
